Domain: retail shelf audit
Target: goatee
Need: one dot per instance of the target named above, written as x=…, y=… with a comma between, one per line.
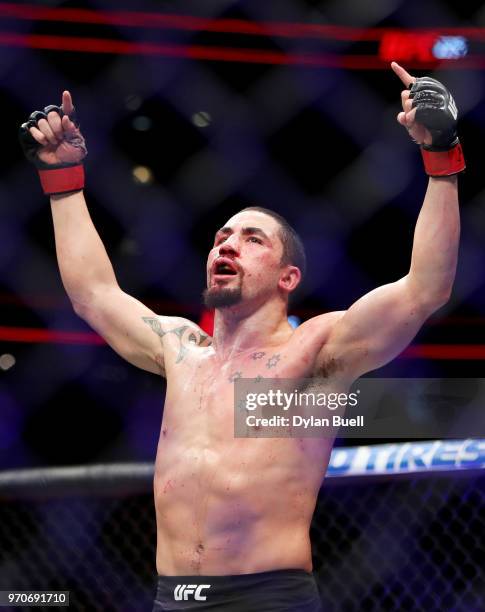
x=221, y=298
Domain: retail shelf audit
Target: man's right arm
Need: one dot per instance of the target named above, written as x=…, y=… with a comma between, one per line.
x=90, y=282
x=52, y=141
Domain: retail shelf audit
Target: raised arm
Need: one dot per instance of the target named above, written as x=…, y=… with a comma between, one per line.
x=53, y=142
x=382, y=323
x=90, y=282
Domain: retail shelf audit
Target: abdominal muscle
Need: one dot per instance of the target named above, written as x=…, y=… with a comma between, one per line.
x=242, y=507
x=227, y=505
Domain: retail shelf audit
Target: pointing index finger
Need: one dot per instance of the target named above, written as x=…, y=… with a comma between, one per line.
x=405, y=77
x=67, y=106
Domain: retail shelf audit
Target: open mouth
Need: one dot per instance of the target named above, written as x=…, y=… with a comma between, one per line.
x=224, y=269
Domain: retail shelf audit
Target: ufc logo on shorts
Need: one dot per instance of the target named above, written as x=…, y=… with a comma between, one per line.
x=183, y=591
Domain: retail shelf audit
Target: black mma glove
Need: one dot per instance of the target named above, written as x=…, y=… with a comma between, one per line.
x=68, y=174
x=436, y=110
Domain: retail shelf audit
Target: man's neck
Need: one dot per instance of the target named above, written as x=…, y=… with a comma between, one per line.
x=236, y=330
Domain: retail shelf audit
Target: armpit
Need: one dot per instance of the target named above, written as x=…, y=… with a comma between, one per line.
x=329, y=367
x=161, y=363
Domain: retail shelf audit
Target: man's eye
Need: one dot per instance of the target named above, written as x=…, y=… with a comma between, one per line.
x=254, y=239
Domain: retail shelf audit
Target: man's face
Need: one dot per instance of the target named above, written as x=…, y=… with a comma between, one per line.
x=245, y=261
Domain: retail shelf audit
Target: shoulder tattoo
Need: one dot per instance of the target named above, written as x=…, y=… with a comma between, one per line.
x=187, y=335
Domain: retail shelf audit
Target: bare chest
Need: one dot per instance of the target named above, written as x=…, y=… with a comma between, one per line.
x=197, y=441
x=205, y=380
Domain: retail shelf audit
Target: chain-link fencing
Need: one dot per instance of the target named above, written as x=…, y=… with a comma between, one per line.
x=412, y=541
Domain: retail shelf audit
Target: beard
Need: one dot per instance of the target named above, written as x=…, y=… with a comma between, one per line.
x=221, y=297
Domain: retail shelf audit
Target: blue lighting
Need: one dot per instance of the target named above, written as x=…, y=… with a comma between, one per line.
x=450, y=47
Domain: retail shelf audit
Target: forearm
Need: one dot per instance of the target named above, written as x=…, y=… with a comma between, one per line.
x=81, y=255
x=436, y=238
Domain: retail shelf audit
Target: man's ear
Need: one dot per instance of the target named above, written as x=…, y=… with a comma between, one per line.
x=289, y=279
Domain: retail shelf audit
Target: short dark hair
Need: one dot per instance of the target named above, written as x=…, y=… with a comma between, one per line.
x=293, y=249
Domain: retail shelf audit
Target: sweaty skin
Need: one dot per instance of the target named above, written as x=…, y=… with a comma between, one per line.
x=228, y=505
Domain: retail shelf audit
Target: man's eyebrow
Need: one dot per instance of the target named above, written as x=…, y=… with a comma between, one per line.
x=254, y=230
x=245, y=231
x=224, y=230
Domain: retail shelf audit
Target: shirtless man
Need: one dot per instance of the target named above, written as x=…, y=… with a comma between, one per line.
x=233, y=514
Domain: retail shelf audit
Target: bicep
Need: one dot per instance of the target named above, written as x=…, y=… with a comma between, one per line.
x=377, y=327
x=127, y=325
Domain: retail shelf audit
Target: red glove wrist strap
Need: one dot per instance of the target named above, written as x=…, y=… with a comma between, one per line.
x=62, y=180
x=444, y=163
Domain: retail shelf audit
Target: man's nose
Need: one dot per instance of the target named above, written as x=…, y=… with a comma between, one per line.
x=229, y=246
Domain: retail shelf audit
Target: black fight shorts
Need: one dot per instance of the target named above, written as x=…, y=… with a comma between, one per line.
x=277, y=591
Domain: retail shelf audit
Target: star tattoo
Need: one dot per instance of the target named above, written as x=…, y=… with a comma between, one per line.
x=235, y=376
x=258, y=355
x=271, y=363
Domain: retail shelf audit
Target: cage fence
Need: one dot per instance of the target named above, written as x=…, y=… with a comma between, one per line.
x=384, y=536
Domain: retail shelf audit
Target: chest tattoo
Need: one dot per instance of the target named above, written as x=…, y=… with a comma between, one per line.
x=235, y=376
x=272, y=361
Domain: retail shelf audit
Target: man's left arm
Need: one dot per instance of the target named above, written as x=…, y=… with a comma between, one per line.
x=380, y=325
